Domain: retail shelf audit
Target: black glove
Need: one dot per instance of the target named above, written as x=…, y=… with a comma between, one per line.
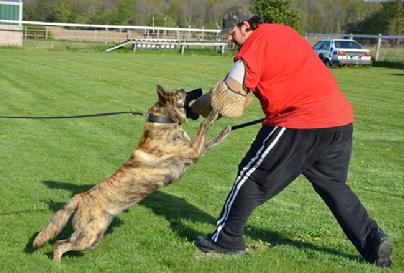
x=192, y=95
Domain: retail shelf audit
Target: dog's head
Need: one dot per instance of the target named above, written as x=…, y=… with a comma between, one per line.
x=171, y=104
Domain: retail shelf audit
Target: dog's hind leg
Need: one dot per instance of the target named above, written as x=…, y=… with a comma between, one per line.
x=59, y=248
x=89, y=229
x=88, y=241
x=78, y=242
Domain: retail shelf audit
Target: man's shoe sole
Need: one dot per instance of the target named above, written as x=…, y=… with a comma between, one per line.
x=202, y=244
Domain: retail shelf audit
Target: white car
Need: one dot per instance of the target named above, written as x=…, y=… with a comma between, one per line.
x=342, y=52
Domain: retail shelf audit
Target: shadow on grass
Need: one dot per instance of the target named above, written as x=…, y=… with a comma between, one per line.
x=68, y=229
x=28, y=247
x=390, y=64
x=175, y=210
x=275, y=238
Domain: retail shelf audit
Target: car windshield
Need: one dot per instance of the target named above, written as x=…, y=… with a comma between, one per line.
x=347, y=44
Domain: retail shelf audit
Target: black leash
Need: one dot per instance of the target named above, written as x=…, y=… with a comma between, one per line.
x=75, y=116
x=150, y=118
x=245, y=124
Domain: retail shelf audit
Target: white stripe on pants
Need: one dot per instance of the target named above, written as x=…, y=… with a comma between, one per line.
x=245, y=173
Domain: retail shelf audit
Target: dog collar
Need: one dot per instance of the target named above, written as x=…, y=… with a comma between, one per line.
x=159, y=119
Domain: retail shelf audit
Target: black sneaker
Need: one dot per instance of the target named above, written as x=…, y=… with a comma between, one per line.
x=379, y=249
x=205, y=244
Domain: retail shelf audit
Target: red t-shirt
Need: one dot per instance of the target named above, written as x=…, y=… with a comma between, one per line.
x=295, y=88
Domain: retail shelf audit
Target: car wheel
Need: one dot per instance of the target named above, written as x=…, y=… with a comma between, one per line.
x=327, y=62
x=321, y=57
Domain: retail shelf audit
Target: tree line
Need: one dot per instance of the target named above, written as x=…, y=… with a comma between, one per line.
x=325, y=16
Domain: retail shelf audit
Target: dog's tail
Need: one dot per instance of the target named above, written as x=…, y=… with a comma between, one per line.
x=57, y=222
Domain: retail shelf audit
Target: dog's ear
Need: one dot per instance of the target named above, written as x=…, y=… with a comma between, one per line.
x=161, y=93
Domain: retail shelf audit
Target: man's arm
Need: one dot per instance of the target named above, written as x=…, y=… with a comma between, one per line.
x=229, y=95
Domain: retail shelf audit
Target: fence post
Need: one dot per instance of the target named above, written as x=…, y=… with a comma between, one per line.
x=106, y=37
x=95, y=35
x=26, y=32
x=351, y=36
x=189, y=32
x=379, y=44
x=46, y=33
x=178, y=34
x=203, y=32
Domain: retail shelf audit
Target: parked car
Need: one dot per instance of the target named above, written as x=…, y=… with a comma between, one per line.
x=342, y=52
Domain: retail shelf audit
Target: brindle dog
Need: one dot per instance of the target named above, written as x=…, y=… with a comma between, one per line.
x=164, y=153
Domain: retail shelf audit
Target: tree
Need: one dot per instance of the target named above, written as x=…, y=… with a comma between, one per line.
x=147, y=8
x=160, y=20
x=63, y=12
x=124, y=12
x=388, y=20
x=325, y=16
x=42, y=10
x=395, y=13
x=276, y=11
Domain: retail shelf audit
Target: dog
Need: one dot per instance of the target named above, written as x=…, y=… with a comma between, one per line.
x=162, y=156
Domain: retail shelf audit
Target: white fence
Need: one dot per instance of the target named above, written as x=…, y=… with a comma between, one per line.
x=382, y=46
x=117, y=36
x=167, y=44
x=112, y=33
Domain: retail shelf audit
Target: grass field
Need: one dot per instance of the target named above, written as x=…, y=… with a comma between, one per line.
x=43, y=163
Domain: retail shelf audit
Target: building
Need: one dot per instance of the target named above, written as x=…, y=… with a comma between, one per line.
x=11, y=32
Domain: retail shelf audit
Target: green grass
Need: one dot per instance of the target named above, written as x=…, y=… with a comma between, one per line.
x=43, y=163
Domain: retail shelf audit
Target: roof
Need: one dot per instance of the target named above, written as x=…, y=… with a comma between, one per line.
x=339, y=39
x=10, y=1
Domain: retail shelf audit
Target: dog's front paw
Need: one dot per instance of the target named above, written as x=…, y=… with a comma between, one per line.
x=217, y=139
x=226, y=131
x=223, y=134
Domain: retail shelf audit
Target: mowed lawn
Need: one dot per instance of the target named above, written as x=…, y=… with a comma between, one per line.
x=44, y=162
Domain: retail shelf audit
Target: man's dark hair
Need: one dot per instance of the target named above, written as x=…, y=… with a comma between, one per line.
x=255, y=22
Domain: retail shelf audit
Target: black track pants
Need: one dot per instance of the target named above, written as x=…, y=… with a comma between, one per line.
x=276, y=157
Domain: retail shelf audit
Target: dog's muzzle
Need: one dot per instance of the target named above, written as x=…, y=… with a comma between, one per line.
x=192, y=95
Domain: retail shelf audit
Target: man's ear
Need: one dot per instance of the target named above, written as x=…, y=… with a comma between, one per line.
x=248, y=26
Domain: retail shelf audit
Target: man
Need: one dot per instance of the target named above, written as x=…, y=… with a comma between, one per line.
x=307, y=130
